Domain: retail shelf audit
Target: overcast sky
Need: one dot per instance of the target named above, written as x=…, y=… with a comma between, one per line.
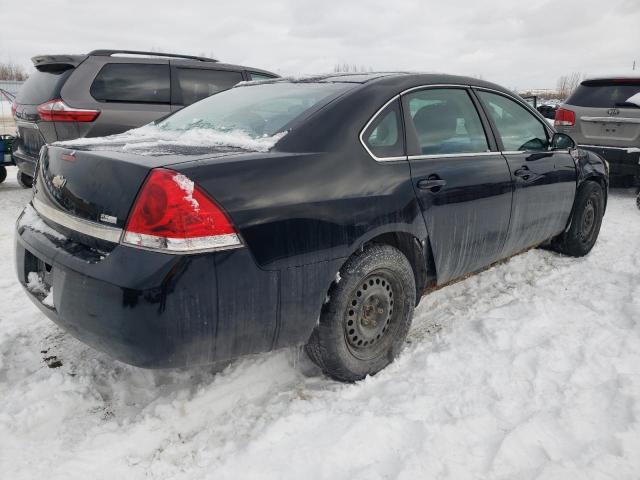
x=517, y=43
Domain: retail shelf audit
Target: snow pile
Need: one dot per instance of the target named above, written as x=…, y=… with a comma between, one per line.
x=528, y=370
x=187, y=186
x=153, y=140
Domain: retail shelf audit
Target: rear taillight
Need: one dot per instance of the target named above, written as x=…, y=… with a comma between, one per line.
x=173, y=214
x=564, y=118
x=14, y=108
x=58, y=111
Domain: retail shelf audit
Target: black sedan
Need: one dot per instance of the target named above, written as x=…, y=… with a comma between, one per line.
x=308, y=212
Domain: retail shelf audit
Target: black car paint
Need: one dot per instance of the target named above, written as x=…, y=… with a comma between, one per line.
x=301, y=209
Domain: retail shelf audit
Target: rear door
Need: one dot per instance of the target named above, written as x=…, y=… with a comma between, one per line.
x=192, y=83
x=544, y=179
x=461, y=180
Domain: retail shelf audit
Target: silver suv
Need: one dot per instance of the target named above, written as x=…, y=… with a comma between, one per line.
x=110, y=91
x=603, y=115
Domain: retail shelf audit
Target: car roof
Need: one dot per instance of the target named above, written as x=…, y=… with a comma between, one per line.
x=403, y=80
x=44, y=61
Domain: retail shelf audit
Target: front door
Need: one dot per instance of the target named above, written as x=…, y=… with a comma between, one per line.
x=544, y=179
x=461, y=180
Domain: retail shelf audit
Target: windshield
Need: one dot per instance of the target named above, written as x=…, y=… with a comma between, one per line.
x=260, y=110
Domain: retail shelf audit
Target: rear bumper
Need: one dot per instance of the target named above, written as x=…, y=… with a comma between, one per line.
x=151, y=309
x=623, y=162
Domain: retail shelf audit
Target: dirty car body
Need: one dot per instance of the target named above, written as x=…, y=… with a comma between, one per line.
x=353, y=168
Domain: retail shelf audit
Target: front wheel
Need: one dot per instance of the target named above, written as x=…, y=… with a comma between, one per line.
x=365, y=321
x=581, y=236
x=25, y=181
x=3, y=174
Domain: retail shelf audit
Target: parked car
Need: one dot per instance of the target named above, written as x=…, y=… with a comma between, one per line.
x=376, y=187
x=603, y=115
x=110, y=91
x=548, y=111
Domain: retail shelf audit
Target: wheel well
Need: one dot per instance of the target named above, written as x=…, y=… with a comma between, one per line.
x=418, y=253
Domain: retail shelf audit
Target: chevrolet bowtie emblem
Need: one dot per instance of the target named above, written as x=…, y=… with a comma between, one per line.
x=58, y=181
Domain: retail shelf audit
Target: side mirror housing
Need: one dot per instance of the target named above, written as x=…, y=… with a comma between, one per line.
x=562, y=141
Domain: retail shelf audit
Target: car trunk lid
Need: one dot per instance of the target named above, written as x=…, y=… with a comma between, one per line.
x=85, y=189
x=604, y=116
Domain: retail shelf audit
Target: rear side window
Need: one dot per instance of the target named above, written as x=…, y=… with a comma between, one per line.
x=446, y=122
x=259, y=76
x=518, y=128
x=134, y=83
x=605, y=93
x=196, y=84
x=384, y=136
x=42, y=86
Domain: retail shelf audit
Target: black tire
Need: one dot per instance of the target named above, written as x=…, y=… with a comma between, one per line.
x=3, y=174
x=365, y=321
x=581, y=236
x=25, y=181
x=638, y=200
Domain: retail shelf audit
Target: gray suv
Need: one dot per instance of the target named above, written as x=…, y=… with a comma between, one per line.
x=603, y=115
x=110, y=91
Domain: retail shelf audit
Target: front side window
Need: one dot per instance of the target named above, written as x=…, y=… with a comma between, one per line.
x=258, y=110
x=196, y=84
x=384, y=136
x=445, y=122
x=131, y=82
x=518, y=128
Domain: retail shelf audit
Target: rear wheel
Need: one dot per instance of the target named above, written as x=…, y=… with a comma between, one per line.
x=581, y=236
x=638, y=200
x=3, y=174
x=363, y=326
x=24, y=180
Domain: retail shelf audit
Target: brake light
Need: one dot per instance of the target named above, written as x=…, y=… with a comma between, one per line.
x=564, y=118
x=173, y=214
x=58, y=111
x=14, y=108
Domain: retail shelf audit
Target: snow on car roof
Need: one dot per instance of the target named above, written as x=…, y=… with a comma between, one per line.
x=626, y=74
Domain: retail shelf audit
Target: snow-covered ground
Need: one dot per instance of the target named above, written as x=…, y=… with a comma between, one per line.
x=528, y=370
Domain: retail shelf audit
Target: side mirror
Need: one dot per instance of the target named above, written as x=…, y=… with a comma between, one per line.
x=562, y=141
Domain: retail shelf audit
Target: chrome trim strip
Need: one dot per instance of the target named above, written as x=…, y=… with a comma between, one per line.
x=625, y=149
x=92, y=229
x=371, y=120
x=452, y=155
x=611, y=119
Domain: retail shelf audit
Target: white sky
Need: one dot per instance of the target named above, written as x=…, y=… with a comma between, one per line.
x=517, y=43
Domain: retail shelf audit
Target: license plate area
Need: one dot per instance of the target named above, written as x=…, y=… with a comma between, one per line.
x=39, y=278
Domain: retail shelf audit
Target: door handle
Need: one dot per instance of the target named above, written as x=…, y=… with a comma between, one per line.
x=433, y=183
x=523, y=172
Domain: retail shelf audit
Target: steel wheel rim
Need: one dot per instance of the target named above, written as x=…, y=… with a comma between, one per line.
x=588, y=222
x=372, y=315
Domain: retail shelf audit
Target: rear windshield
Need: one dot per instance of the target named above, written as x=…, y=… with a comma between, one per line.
x=42, y=86
x=258, y=110
x=605, y=93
